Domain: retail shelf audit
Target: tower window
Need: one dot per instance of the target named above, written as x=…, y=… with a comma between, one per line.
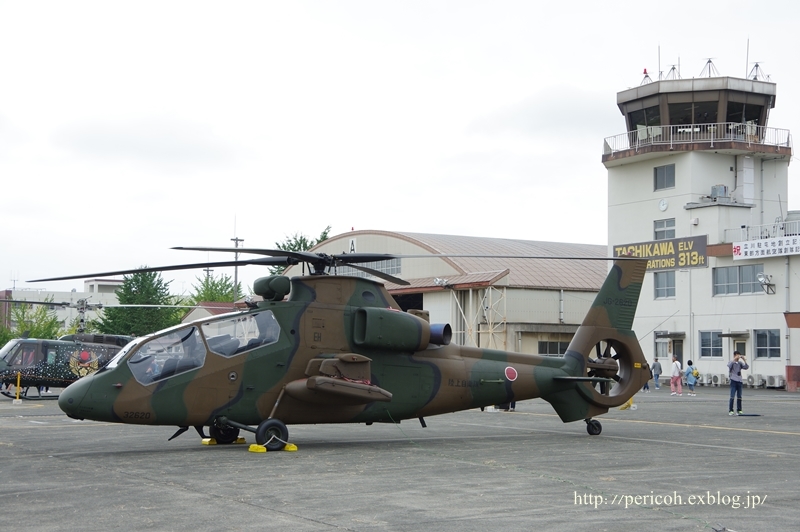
x=664, y=229
x=664, y=177
x=665, y=284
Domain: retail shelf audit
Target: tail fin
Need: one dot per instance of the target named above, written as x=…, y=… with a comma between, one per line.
x=620, y=369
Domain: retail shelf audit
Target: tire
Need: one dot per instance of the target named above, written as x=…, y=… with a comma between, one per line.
x=273, y=433
x=593, y=427
x=224, y=435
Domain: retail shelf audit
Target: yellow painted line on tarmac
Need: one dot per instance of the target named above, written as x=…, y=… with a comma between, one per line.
x=678, y=424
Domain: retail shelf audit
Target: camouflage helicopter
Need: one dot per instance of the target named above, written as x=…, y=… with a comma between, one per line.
x=56, y=363
x=338, y=349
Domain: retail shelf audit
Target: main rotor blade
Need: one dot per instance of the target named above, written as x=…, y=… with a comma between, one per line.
x=269, y=261
x=53, y=303
x=374, y=257
x=384, y=276
x=308, y=256
x=299, y=255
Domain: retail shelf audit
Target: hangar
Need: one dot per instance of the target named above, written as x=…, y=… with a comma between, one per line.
x=522, y=305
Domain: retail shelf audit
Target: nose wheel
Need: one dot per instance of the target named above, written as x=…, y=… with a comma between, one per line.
x=593, y=427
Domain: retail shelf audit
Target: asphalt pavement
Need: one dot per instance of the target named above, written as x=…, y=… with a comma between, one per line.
x=674, y=463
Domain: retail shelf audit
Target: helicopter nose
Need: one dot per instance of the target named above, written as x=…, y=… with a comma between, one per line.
x=70, y=399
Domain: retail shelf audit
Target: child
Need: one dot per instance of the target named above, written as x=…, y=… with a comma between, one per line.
x=691, y=380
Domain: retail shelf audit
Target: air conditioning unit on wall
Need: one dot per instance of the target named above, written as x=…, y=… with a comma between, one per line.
x=775, y=381
x=709, y=380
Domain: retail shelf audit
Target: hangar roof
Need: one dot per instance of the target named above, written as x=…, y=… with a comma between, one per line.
x=528, y=273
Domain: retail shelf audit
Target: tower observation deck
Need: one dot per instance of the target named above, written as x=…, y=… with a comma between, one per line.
x=722, y=114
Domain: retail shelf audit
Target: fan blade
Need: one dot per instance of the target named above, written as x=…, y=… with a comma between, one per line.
x=271, y=261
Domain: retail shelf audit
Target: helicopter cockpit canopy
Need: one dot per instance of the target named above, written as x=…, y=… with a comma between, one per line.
x=185, y=348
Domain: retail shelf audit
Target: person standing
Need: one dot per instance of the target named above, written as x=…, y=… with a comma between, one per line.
x=675, y=379
x=691, y=380
x=735, y=368
x=656, y=372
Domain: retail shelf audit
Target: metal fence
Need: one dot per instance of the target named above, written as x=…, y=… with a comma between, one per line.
x=688, y=134
x=778, y=229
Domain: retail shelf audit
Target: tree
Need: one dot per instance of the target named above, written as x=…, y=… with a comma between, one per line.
x=146, y=288
x=39, y=321
x=298, y=242
x=6, y=334
x=215, y=289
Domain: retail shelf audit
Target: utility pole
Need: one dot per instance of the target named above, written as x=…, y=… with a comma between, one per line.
x=235, y=241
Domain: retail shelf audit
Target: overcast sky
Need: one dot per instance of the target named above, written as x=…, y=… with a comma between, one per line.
x=130, y=127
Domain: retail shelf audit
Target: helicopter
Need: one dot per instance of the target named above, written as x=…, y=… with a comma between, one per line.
x=56, y=363
x=324, y=348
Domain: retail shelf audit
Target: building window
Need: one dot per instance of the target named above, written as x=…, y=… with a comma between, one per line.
x=710, y=344
x=768, y=343
x=737, y=279
x=553, y=348
x=664, y=229
x=664, y=177
x=662, y=346
x=665, y=284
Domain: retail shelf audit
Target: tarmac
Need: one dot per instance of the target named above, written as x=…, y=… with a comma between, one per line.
x=674, y=463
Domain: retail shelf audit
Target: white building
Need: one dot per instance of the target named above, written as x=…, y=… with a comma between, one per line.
x=698, y=185
x=96, y=291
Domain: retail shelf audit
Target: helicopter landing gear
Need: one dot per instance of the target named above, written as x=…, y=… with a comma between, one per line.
x=224, y=434
x=273, y=434
x=593, y=427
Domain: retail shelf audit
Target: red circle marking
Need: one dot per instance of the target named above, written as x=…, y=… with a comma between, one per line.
x=511, y=373
x=85, y=356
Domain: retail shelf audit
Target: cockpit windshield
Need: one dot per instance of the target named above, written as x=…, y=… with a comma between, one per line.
x=160, y=357
x=233, y=336
x=182, y=349
x=8, y=349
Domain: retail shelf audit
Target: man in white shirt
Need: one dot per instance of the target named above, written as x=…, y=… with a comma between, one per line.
x=675, y=381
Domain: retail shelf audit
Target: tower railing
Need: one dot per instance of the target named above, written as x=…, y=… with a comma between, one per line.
x=645, y=136
x=777, y=229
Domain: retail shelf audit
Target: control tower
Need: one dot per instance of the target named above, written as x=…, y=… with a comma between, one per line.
x=698, y=185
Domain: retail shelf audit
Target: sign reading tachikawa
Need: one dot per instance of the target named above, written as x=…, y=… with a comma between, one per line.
x=766, y=247
x=689, y=252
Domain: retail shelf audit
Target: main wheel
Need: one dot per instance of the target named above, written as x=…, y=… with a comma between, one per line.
x=272, y=433
x=593, y=427
x=224, y=434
